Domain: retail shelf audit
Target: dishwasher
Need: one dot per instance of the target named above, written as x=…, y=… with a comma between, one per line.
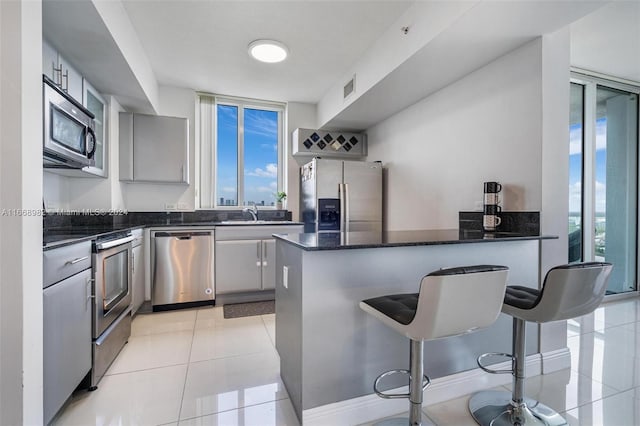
x=183, y=269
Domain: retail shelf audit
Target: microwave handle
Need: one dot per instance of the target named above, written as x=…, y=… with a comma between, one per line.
x=90, y=134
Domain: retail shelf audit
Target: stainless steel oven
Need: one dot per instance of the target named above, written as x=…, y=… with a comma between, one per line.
x=111, y=300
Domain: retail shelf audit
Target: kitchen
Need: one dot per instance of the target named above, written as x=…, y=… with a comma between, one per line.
x=532, y=123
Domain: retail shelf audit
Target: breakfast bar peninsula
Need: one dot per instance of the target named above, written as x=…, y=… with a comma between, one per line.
x=331, y=351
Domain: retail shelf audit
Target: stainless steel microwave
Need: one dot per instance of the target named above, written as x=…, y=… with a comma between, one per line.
x=69, y=140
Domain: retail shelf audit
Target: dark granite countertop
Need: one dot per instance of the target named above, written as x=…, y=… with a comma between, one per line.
x=58, y=237
x=359, y=240
x=61, y=236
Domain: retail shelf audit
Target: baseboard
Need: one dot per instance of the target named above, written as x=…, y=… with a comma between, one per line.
x=370, y=407
x=556, y=360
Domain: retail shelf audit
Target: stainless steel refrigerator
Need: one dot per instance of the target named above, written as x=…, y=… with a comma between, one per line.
x=337, y=195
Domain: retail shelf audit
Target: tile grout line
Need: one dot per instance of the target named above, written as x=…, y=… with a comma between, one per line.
x=186, y=374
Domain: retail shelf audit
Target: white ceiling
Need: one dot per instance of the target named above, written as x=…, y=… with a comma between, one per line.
x=203, y=44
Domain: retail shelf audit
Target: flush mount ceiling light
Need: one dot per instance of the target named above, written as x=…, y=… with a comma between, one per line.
x=269, y=51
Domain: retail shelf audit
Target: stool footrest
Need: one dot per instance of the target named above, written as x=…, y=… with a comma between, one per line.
x=426, y=382
x=490, y=370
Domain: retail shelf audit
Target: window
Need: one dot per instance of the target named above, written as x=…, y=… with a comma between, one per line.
x=241, y=152
x=603, y=177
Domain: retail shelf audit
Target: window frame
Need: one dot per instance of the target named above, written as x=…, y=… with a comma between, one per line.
x=209, y=135
x=590, y=82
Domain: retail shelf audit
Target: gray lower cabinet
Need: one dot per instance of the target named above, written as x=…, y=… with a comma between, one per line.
x=238, y=266
x=67, y=339
x=268, y=264
x=246, y=257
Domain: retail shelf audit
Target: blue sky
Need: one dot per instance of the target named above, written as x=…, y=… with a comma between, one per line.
x=575, y=166
x=260, y=154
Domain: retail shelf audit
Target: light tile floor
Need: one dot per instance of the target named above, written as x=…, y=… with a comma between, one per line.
x=193, y=367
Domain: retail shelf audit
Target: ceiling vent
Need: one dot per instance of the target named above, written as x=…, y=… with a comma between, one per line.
x=349, y=88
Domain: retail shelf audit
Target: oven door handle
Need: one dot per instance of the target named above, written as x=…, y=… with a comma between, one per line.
x=113, y=243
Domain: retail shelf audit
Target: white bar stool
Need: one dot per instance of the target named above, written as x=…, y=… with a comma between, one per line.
x=451, y=302
x=568, y=291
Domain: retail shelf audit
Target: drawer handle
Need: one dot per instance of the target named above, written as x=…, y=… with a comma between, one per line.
x=74, y=261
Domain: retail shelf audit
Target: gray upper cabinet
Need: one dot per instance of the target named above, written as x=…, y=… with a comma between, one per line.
x=98, y=107
x=154, y=148
x=49, y=61
x=61, y=72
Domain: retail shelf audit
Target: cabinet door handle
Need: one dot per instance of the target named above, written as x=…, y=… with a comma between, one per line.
x=66, y=78
x=76, y=260
x=264, y=250
x=88, y=291
x=133, y=262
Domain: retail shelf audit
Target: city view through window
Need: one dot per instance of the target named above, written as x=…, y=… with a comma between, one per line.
x=603, y=177
x=254, y=133
x=575, y=188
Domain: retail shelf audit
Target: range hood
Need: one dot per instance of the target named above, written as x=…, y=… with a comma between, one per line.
x=328, y=143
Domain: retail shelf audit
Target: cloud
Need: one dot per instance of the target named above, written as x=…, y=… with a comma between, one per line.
x=575, y=137
x=228, y=190
x=601, y=134
x=269, y=146
x=264, y=189
x=575, y=197
x=262, y=123
x=271, y=170
x=575, y=140
x=601, y=197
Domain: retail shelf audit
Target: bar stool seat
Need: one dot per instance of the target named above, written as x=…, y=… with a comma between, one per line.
x=450, y=302
x=568, y=291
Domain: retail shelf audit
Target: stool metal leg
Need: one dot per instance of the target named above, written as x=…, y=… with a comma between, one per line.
x=518, y=363
x=416, y=367
x=418, y=382
x=495, y=408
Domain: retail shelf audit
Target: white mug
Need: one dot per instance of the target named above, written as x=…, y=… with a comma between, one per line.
x=490, y=222
x=491, y=198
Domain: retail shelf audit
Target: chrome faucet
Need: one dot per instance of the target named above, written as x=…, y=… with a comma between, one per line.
x=253, y=211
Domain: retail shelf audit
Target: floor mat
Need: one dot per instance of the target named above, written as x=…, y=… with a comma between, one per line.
x=238, y=310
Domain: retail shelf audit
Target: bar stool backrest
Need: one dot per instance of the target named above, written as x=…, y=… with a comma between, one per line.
x=572, y=290
x=458, y=300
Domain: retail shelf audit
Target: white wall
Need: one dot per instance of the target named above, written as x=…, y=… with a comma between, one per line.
x=438, y=152
x=55, y=191
x=426, y=21
x=299, y=115
x=20, y=234
x=176, y=102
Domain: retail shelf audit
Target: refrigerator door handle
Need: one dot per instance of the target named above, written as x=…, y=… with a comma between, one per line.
x=341, y=191
x=346, y=207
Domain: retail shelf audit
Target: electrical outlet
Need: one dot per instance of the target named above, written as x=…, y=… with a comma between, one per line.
x=183, y=206
x=169, y=206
